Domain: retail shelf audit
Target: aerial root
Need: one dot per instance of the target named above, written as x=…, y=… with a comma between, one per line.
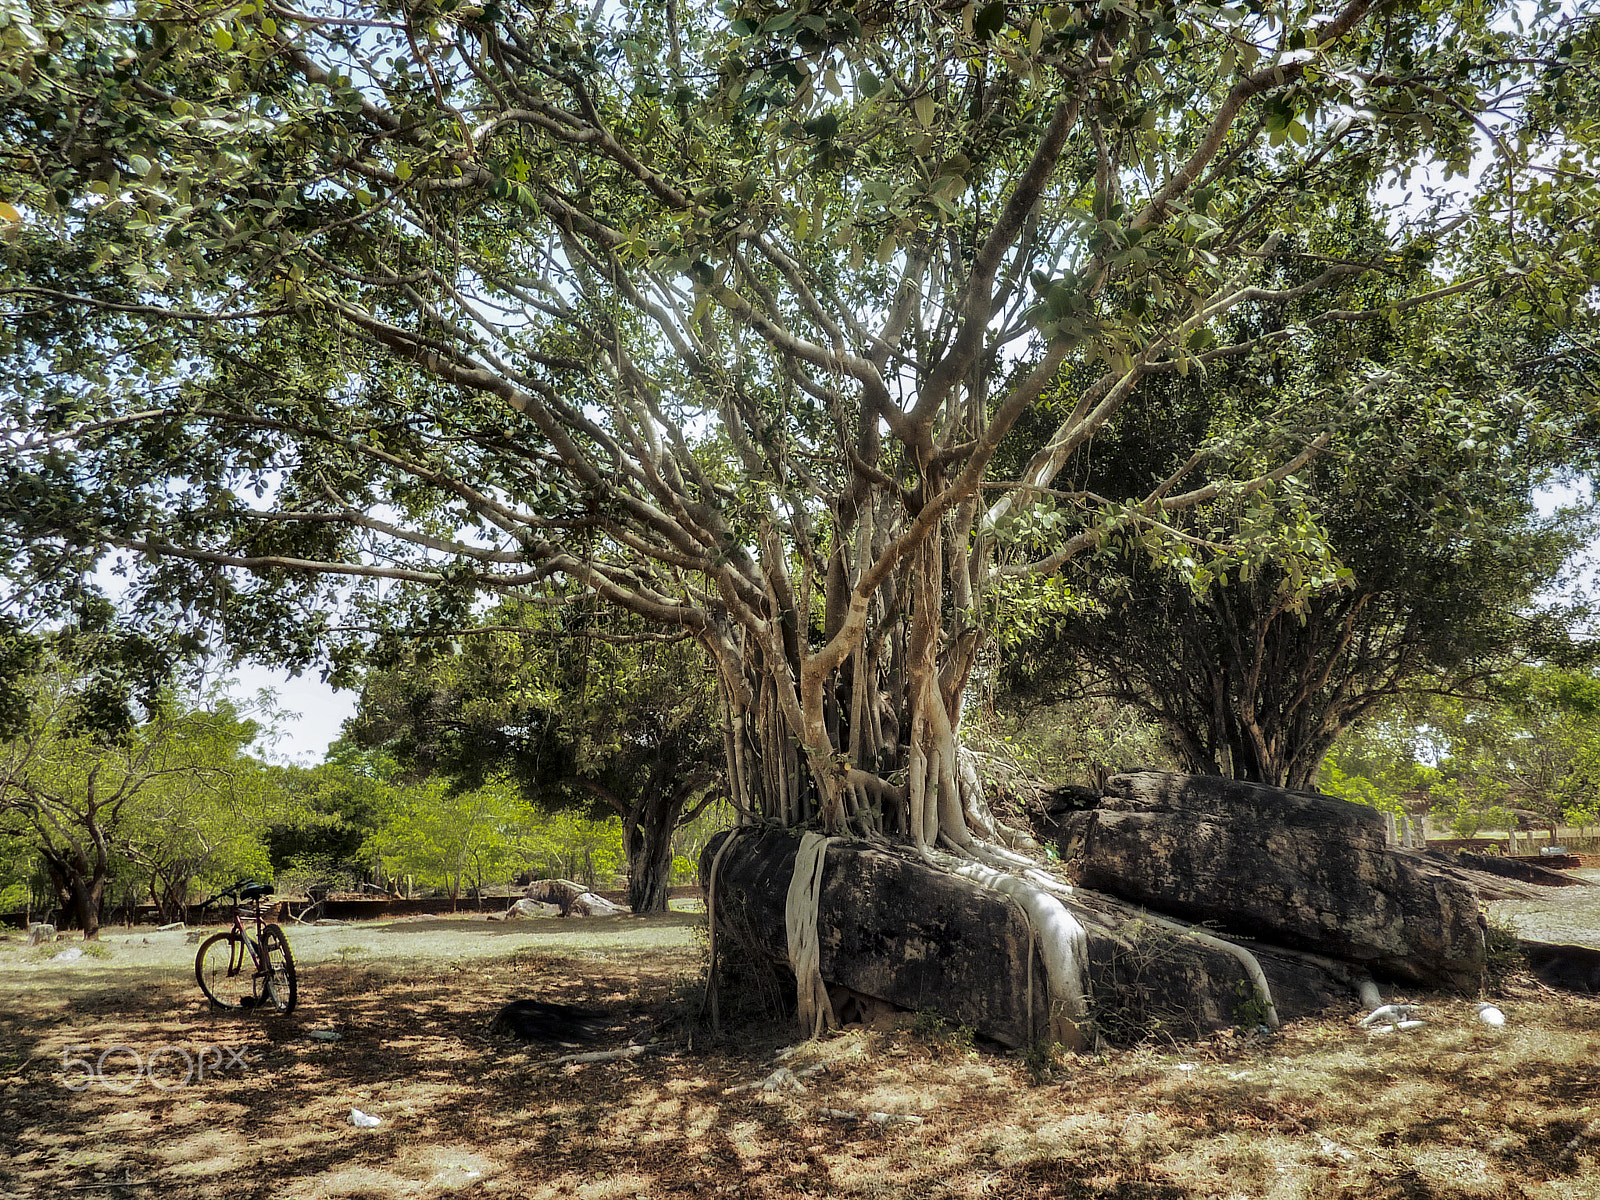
x=800, y=922
x=1062, y=942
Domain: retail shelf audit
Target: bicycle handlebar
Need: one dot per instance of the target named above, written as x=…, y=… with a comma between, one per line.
x=234, y=892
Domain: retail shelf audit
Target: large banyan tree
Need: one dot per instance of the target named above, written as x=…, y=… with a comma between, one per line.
x=723, y=312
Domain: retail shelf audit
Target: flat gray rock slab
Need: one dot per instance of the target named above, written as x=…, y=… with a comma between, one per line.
x=1292, y=868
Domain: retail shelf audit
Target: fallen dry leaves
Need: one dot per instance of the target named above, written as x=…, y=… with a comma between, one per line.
x=1452, y=1110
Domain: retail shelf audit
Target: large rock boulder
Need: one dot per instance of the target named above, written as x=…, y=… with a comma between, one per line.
x=1293, y=868
x=1541, y=874
x=570, y=899
x=1572, y=968
x=895, y=929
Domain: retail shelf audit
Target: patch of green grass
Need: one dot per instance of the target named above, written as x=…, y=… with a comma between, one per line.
x=45, y=951
x=1045, y=1061
x=932, y=1029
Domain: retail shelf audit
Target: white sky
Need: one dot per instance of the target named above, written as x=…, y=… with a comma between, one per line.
x=315, y=711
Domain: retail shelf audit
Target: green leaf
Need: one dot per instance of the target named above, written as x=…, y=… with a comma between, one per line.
x=988, y=21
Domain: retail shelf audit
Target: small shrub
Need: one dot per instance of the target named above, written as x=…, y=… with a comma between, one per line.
x=1044, y=1061
x=1249, y=1008
x=1131, y=1011
x=936, y=1032
x=1504, y=957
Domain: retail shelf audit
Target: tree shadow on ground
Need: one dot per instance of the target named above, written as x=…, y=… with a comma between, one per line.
x=465, y=1112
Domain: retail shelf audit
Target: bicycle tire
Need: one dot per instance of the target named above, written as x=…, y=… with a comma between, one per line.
x=216, y=963
x=281, y=990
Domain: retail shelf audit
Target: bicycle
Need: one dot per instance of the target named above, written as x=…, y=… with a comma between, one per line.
x=223, y=957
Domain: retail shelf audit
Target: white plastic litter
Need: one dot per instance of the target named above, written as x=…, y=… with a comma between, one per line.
x=323, y=1035
x=1390, y=1014
x=1399, y=1026
x=1490, y=1015
x=72, y=955
x=363, y=1120
x=781, y=1080
x=879, y=1118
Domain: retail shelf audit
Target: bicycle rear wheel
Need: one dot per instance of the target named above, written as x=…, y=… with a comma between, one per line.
x=221, y=968
x=281, y=990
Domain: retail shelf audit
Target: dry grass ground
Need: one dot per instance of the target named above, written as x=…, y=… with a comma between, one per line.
x=1454, y=1109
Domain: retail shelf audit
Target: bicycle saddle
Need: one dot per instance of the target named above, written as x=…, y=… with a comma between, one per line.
x=255, y=891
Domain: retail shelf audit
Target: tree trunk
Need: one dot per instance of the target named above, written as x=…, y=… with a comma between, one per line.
x=86, y=898
x=80, y=886
x=808, y=743
x=647, y=837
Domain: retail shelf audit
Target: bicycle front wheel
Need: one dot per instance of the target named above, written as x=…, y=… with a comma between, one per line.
x=221, y=968
x=278, y=964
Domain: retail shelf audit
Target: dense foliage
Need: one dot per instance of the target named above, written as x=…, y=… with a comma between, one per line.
x=722, y=314
x=1426, y=499
x=574, y=710
x=108, y=774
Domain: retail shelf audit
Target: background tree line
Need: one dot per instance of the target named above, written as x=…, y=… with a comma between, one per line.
x=119, y=787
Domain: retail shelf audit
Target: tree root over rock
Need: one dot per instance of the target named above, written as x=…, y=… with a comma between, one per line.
x=930, y=931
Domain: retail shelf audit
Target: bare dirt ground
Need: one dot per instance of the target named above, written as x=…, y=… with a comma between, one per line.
x=1454, y=1109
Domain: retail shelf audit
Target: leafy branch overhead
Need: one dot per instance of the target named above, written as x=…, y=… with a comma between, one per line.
x=731, y=319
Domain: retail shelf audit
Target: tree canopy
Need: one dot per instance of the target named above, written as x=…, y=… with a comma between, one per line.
x=722, y=314
x=571, y=707
x=1425, y=497
x=110, y=772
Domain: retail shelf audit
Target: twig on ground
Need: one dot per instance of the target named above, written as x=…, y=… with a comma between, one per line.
x=595, y=1056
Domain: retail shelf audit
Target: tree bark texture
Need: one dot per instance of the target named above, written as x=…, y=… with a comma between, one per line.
x=1294, y=868
x=80, y=884
x=647, y=830
x=894, y=928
